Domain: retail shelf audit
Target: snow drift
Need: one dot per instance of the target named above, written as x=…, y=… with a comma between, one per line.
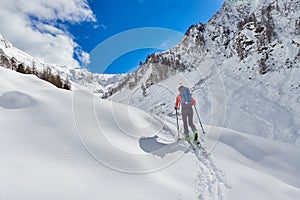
x=55, y=144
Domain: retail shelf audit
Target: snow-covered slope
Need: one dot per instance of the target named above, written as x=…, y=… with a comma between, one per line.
x=58, y=144
x=242, y=66
x=79, y=77
x=252, y=46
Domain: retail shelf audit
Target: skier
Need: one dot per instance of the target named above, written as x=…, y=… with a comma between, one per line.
x=185, y=99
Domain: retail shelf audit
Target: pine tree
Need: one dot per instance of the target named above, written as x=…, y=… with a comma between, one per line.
x=21, y=68
x=67, y=84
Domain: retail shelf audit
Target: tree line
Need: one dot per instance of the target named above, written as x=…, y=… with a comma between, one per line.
x=46, y=74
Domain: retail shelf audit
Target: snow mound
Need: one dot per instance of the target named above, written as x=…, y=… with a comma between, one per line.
x=112, y=134
x=16, y=100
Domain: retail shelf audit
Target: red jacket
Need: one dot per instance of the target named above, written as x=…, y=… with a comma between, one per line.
x=179, y=100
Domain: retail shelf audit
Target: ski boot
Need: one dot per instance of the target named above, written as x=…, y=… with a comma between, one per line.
x=187, y=137
x=195, y=135
x=196, y=138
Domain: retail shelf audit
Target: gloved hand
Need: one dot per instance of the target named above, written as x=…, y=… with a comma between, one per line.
x=175, y=108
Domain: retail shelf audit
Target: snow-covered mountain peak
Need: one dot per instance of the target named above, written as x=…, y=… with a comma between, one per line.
x=99, y=84
x=4, y=42
x=244, y=74
x=253, y=45
x=256, y=53
x=243, y=6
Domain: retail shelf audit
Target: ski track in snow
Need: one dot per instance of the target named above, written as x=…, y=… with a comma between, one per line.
x=210, y=179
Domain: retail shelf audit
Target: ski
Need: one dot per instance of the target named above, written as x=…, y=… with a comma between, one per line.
x=197, y=147
x=203, y=137
x=192, y=146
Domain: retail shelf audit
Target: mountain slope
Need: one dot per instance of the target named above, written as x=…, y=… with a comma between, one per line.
x=57, y=144
x=243, y=64
x=52, y=148
x=11, y=57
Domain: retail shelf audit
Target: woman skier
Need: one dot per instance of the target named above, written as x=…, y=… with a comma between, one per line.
x=185, y=99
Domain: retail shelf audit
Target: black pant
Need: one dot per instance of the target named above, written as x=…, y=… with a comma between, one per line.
x=187, y=118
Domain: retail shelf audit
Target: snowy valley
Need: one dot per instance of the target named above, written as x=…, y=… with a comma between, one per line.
x=243, y=69
x=57, y=144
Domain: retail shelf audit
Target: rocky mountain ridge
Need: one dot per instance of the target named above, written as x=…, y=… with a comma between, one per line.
x=13, y=58
x=254, y=46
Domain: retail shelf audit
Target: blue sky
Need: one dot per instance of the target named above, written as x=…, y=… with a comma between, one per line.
x=114, y=17
x=73, y=33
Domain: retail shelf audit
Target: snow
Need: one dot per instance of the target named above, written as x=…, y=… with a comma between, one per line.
x=79, y=77
x=57, y=144
x=231, y=91
x=16, y=100
x=274, y=161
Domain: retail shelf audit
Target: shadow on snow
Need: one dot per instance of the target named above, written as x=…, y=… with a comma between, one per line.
x=153, y=146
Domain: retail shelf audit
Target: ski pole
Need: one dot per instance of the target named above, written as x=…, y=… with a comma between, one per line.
x=199, y=119
x=177, y=124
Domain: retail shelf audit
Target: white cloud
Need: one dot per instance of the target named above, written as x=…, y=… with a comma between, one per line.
x=83, y=57
x=34, y=27
x=101, y=26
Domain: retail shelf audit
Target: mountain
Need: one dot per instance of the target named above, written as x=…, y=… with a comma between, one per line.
x=99, y=84
x=60, y=144
x=251, y=48
x=242, y=66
